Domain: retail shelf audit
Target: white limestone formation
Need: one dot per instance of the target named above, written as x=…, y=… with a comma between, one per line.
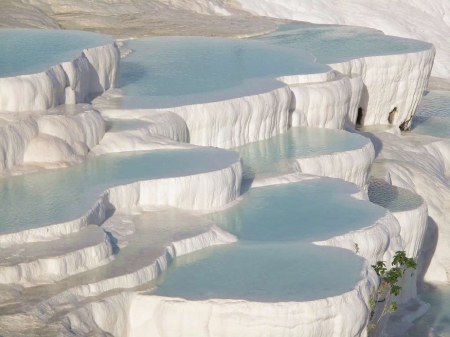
x=386, y=88
x=40, y=263
x=237, y=121
x=191, y=192
x=138, y=314
x=394, y=18
x=44, y=140
x=94, y=71
x=393, y=85
x=325, y=104
x=413, y=225
x=421, y=169
x=353, y=166
x=160, y=130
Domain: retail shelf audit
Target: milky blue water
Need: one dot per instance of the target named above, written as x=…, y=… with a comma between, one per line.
x=29, y=51
x=262, y=272
x=433, y=115
x=274, y=259
x=55, y=196
x=174, y=71
x=332, y=43
x=276, y=155
x=308, y=211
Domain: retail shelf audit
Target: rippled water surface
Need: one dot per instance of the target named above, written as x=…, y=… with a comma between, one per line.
x=55, y=196
x=393, y=198
x=29, y=51
x=332, y=44
x=173, y=71
x=274, y=259
x=276, y=155
x=437, y=317
x=433, y=115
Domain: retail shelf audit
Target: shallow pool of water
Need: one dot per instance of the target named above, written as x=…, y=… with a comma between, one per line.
x=174, y=71
x=433, y=115
x=275, y=156
x=333, y=44
x=262, y=272
x=55, y=196
x=393, y=198
x=274, y=259
x=437, y=317
x=307, y=211
x=29, y=51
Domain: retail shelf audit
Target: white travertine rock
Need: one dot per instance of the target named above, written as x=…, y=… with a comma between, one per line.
x=211, y=236
x=14, y=138
x=378, y=85
x=87, y=127
x=196, y=192
x=378, y=242
x=344, y=315
x=50, y=138
x=47, y=262
x=422, y=170
x=357, y=85
x=394, y=18
x=135, y=315
x=308, y=78
x=283, y=179
x=325, y=100
x=236, y=121
x=413, y=224
x=48, y=149
x=352, y=166
x=390, y=82
x=324, y=104
x=161, y=130
x=91, y=73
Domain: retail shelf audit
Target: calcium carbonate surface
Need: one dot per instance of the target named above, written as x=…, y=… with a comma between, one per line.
x=274, y=260
x=393, y=198
x=174, y=71
x=29, y=51
x=333, y=44
x=54, y=196
x=433, y=115
x=277, y=154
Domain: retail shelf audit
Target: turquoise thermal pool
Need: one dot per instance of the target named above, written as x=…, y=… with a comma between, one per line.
x=262, y=273
x=277, y=154
x=175, y=71
x=433, y=115
x=308, y=211
x=55, y=196
x=333, y=44
x=29, y=51
x=275, y=226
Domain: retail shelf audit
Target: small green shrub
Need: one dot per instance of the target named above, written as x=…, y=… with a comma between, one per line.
x=389, y=285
